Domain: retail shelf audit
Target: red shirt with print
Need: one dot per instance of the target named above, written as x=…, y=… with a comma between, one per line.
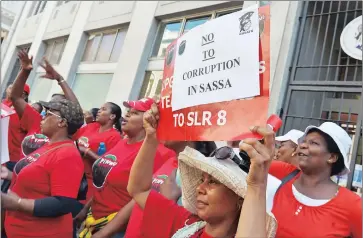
x=134, y=225
x=90, y=137
x=41, y=175
x=111, y=175
x=170, y=217
x=339, y=217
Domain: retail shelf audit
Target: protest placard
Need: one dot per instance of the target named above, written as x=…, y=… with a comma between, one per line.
x=4, y=127
x=217, y=61
x=228, y=120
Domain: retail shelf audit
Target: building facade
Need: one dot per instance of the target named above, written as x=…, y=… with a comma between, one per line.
x=114, y=51
x=9, y=12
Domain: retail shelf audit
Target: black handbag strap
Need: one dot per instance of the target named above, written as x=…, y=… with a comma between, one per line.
x=288, y=178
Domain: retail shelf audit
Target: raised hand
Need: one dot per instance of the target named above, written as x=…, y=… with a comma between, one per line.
x=50, y=72
x=151, y=118
x=25, y=60
x=260, y=154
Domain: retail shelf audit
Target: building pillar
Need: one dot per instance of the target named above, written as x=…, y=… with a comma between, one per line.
x=284, y=27
x=130, y=70
x=74, y=48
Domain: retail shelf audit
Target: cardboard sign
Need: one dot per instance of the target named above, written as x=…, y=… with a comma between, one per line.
x=4, y=127
x=217, y=61
x=223, y=120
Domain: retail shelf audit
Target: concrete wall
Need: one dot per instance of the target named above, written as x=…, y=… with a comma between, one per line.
x=62, y=19
x=108, y=13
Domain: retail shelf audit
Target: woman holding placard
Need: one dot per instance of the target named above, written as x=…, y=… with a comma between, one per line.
x=214, y=191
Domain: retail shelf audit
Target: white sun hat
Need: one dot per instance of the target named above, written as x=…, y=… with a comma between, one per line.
x=340, y=137
x=293, y=135
x=192, y=164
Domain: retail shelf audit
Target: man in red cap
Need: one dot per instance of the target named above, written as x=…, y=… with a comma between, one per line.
x=7, y=100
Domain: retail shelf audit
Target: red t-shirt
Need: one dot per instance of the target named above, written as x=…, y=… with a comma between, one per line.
x=340, y=217
x=163, y=217
x=90, y=137
x=57, y=173
x=111, y=175
x=15, y=136
x=134, y=225
x=30, y=121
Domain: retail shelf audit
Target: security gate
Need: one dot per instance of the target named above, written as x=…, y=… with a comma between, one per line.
x=325, y=84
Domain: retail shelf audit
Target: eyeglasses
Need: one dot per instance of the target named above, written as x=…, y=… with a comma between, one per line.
x=47, y=112
x=226, y=152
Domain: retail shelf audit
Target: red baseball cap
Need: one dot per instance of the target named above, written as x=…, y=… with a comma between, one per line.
x=27, y=89
x=141, y=105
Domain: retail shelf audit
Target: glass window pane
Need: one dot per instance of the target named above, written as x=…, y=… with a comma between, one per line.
x=168, y=33
x=48, y=50
x=191, y=23
x=152, y=84
x=118, y=45
x=40, y=88
x=227, y=12
x=105, y=48
x=62, y=51
x=91, y=89
x=91, y=48
x=57, y=50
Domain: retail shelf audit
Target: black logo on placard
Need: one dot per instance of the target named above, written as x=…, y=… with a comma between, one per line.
x=182, y=47
x=170, y=55
x=245, y=23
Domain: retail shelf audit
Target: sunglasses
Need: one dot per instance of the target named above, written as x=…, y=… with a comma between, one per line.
x=226, y=152
x=47, y=112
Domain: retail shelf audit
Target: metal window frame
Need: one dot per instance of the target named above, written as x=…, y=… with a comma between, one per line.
x=52, y=43
x=101, y=33
x=183, y=19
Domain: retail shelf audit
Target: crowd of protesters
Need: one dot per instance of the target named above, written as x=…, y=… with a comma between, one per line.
x=101, y=173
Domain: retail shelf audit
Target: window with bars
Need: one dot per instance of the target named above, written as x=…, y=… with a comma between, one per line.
x=55, y=49
x=320, y=56
x=169, y=30
x=104, y=46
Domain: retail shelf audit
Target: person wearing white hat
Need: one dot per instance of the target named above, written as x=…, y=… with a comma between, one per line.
x=214, y=191
x=287, y=150
x=310, y=204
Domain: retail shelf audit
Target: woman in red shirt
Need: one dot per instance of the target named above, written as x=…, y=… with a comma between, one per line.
x=311, y=204
x=213, y=191
x=46, y=182
x=106, y=130
x=111, y=173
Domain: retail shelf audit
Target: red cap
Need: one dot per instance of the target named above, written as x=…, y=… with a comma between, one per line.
x=27, y=89
x=141, y=105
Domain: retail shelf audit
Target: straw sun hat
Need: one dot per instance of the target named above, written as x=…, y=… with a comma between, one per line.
x=192, y=164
